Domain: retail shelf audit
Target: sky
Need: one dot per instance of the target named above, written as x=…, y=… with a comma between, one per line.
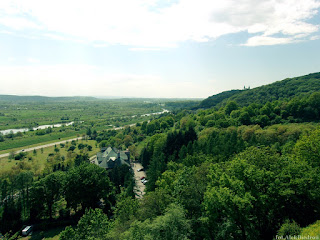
x=154, y=48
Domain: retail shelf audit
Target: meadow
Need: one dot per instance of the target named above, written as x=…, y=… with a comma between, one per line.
x=38, y=160
x=94, y=114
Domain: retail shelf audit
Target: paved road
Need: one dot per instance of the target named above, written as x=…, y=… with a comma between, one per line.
x=56, y=143
x=140, y=187
x=39, y=147
x=52, y=144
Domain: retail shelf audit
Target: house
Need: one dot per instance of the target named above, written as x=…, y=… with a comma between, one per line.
x=111, y=157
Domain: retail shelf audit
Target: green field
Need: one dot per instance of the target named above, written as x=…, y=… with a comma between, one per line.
x=31, y=114
x=28, y=140
x=38, y=161
x=95, y=114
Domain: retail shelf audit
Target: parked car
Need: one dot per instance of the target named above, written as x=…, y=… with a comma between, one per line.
x=144, y=182
x=140, y=169
x=142, y=177
x=27, y=230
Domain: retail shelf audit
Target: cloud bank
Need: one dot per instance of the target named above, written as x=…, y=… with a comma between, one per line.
x=142, y=24
x=87, y=80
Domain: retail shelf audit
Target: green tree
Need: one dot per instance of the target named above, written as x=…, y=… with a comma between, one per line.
x=52, y=190
x=86, y=185
x=244, y=118
x=89, y=132
x=172, y=225
x=128, y=140
x=251, y=195
x=164, y=125
x=314, y=102
x=37, y=204
x=144, y=126
x=126, y=210
x=231, y=106
x=11, y=155
x=93, y=225
x=151, y=128
x=23, y=182
x=183, y=152
x=308, y=148
x=267, y=109
x=80, y=159
x=289, y=229
x=156, y=168
x=154, y=203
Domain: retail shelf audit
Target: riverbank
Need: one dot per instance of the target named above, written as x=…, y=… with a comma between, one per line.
x=14, y=131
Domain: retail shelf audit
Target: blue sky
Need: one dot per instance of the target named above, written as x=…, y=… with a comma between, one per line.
x=150, y=48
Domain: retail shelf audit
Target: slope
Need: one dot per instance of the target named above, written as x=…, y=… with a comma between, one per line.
x=280, y=90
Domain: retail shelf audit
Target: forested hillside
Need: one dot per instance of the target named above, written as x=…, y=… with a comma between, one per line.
x=240, y=171
x=281, y=90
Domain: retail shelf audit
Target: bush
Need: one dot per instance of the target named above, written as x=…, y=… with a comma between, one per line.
x=289, y=228
x=312, y=230
x=20, y=156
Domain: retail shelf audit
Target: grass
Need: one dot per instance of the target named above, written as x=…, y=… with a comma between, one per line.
x=312, y=230
x=98, y=115
x=26, y=114
x=32, y=140
x=38, y=162
x=39, y=143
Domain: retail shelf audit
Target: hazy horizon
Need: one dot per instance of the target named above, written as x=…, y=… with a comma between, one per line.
x=154, y=49
x=99, y=97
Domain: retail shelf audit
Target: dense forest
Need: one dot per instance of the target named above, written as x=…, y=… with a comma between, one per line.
x=242, y=166
x=281, y=90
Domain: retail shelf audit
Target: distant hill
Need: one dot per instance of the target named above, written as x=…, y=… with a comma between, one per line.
x=182, y=102
x=15, y=98
x=285, y=89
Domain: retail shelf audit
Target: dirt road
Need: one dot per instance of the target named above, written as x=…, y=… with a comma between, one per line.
x=39, y=147
x=140, y=187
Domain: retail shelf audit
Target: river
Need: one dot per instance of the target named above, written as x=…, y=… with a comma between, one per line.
x=14, y=131
x=149, y=114
x=8, y=131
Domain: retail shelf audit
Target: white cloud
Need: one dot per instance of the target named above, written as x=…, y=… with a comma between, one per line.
x=154, y=24
x=33, y=60
x=264, y=41
x=314, y=38
x=18, y=23
x=55, y=36
x=87, y=80
x=141, y=49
